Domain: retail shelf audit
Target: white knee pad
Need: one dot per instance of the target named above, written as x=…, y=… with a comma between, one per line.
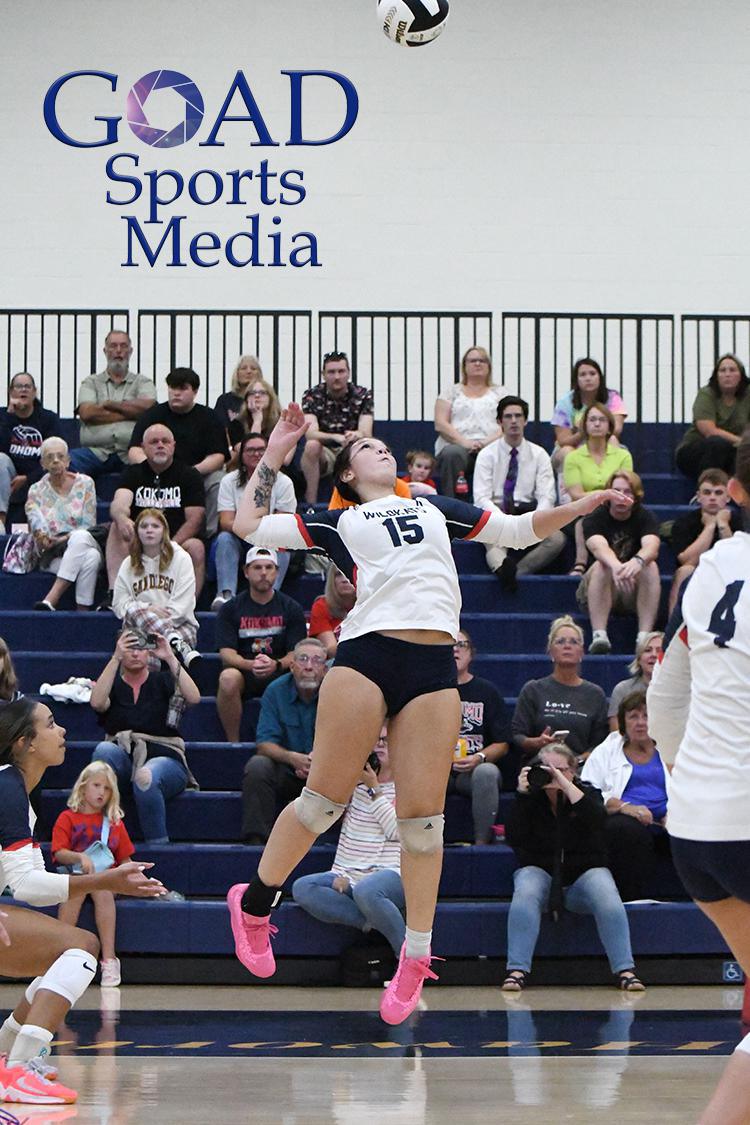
x=421, y=835
x=31, y=989
x=70, y=975
x=315, y=812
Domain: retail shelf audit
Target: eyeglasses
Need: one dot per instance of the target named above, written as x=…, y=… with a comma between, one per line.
x=383, y=740
x=477, y=359
x=330, y=356
x=22, y=387
x=461, y=644
x=303, y=659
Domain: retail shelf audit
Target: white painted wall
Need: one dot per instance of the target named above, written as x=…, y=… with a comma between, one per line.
x=574, y=155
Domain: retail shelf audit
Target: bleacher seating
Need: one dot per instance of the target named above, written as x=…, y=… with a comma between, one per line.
x=510, y=633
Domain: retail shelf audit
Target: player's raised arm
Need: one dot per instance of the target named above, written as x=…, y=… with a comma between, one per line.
x=554, y=519
x=255, y=502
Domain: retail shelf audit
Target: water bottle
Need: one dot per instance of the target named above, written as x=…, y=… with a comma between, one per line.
x=462, y=486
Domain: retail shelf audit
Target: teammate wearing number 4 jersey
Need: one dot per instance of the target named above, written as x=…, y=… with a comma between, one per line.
x=698, y=716
x=395, y=658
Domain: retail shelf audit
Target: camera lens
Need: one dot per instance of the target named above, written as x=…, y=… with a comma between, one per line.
x=538, y=777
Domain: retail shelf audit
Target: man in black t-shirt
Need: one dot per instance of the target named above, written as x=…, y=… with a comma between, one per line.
x=158, y=482
x=24, y=425
x=255, y=634
x=200, y=438
x=482, y=743
x=698, y=531
x=623, y=537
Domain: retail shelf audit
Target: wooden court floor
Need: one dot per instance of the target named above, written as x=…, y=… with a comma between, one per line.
x=290, y=1056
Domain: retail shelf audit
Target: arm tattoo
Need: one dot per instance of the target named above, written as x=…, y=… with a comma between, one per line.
x=264, y=484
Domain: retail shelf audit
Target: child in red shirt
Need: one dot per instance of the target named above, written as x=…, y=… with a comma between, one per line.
x=94, y=796
x=421, y=463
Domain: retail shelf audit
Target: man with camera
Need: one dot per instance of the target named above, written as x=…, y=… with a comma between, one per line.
x=556, y=829
x=136, y=707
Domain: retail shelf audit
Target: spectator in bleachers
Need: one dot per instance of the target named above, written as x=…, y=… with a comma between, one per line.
x=624, y=539
x=641, y=670
x=164, y=483
x=515, y=476
x=155, y=587
x=563, y=706
x=587, y=386
x=556, y=828
x=363, y=889
x=229, y=404
x=24, y=425
x=256, y=632
x=330, y=609
x=229, y=547
x=482, y=742
x=699, y=530
x=628, y=771
x=137, y=709
x=61, y=512
x=259, y=413
x=109, y=404
x=200, y=438
x=591, y=465
x=420, y=464
x=9, y=691
x=721, y=411
x=466, y=421
x=338, y=411
x=277, y=772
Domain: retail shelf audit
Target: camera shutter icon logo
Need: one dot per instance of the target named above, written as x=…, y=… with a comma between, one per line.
x=185, y=97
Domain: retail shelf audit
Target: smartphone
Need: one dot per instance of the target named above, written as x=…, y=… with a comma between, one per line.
x=374, y=762
x=560, y=735
x=152, y=640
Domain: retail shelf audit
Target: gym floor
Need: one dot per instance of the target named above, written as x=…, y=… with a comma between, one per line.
x=292, y=1056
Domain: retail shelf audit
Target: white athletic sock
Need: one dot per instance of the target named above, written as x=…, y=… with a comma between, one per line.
x=30, y=1042
x=8, y=1033
x=417, y=944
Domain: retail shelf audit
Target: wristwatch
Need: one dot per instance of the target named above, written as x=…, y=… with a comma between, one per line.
x=481, y=754
x=373, y=793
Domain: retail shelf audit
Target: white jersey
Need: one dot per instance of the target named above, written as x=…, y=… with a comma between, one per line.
x=173, y=588
x=21, y=861
x=698, y=700
x=397, y=554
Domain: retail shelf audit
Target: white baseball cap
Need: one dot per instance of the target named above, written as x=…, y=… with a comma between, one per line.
x=261, y=553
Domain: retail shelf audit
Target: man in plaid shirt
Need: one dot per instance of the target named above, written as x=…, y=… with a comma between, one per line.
x=339, y=411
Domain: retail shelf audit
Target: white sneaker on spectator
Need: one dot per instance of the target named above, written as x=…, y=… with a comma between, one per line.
x=600, y=643
x=110, y=973
x=183, y=651
x=219, y=600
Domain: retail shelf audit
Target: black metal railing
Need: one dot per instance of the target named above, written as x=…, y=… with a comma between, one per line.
x=636, y=352
x=212, y=341
x=405, y=357
x=59, y=347
x=704, y=337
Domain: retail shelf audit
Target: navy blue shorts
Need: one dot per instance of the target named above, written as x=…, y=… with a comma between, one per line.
x=712, y=871
x=401, y=669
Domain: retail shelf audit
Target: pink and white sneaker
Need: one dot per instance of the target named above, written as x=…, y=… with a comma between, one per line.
x=402, y=994
x=252, y=936
x=29, y=1084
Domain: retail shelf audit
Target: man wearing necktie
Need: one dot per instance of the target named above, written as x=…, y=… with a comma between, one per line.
x=516, y=476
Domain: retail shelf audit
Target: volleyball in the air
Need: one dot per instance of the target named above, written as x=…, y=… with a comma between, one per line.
x=412, y=23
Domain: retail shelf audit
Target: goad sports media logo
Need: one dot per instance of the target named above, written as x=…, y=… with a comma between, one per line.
x=151, y=133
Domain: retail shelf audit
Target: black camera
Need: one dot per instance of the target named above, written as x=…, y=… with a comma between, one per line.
x=539, y=777
x=374, y=762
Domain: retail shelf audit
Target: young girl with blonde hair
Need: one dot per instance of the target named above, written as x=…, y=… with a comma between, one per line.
x=93, y=815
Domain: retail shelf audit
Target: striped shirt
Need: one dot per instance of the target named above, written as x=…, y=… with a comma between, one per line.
x=369, y=835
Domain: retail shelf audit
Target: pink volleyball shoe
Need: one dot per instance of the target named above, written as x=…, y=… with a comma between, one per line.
x=27, y=1084
x=402, y=994
x=252, y=936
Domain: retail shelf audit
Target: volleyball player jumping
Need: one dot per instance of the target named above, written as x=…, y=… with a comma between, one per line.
x=395, y=659
x=61, y=958
x=698, y=716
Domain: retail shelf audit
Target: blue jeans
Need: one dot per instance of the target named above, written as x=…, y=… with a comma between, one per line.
x=84, y=460
x=376, y=902
x=594, y=892
x=228, y=552
x=168, y=779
